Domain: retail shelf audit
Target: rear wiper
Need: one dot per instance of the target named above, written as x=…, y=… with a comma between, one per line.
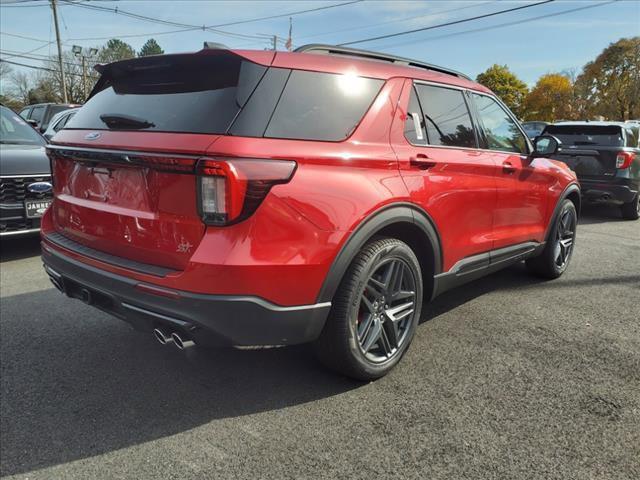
x=117, y=121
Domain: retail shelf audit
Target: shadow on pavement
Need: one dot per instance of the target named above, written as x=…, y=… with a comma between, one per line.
x=76, y=383
x=591, y=214
x=17, y=248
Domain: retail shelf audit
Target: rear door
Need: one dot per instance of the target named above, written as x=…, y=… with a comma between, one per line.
x=522, y=183
x=445, y=171
x=124, y=165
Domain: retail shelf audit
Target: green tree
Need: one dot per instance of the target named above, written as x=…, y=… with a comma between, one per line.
x=610, y=85
x=504, y=83
x=550, y=99
x=115, y=50
x=150, y=47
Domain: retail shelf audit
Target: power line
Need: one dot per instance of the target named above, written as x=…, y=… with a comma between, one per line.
x=454, y=22
x=12, y=54
x=55, y=70
x=24, y=37
x=501, y=25
x=17, y=54
x=399, y=20
x=290, y=14
x=146, y=18
x=22, y=5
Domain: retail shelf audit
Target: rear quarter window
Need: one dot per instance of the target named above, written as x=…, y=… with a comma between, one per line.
x=321, y=106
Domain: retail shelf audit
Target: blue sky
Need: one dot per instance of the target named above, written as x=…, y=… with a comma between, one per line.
x=530, y=48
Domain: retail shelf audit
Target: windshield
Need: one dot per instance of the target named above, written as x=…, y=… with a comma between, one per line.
x=533, y=129
x=14, y=130
x=585, y=135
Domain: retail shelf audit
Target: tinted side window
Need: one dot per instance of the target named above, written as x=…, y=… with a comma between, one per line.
x=62, y=122
x=501, y=131
x=37, y=114
x=446, y=116
x=414, y=130
x=322, y=106
x=254, y=117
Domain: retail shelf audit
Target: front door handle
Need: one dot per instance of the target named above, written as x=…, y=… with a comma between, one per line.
x=508, y=168
x=421, y=161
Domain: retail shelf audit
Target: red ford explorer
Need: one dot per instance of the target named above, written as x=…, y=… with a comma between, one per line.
x=233, y=197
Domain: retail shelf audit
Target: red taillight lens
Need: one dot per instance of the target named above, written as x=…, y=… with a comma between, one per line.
x=230, y=190
x=624, y=159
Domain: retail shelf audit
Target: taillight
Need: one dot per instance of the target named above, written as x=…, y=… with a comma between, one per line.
x=230, y=190
x=624, y=159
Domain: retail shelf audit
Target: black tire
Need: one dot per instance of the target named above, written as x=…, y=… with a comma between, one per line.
x=345, y=335
x=631, y=210
x=557, y=253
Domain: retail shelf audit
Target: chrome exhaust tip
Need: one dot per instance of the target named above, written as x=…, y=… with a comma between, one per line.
x=161, y=336
x=182, y=343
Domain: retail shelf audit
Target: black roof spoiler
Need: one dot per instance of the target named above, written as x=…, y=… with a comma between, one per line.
x=382, y=57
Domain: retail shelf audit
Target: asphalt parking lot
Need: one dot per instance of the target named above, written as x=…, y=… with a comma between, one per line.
x=508, y=377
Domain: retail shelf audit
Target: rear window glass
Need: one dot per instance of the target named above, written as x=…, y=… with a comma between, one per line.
x=176, y=93
x=322, y=106
x=446, y=116
x=584, y=135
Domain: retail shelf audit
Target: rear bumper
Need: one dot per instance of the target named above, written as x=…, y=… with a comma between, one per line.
x=623, y=192
x=212, y=320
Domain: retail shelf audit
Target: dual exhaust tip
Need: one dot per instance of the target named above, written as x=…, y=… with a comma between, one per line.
x=177, y=339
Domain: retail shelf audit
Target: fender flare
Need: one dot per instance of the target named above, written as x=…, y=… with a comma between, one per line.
x=570, y=189
x=373, y=223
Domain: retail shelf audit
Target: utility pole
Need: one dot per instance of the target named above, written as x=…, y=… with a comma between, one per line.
x=64, y=80
x=83, y=54
x=84, y=77
x=275, y=42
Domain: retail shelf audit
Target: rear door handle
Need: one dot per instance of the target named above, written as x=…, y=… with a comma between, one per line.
x=508, y=168
x=421, y=161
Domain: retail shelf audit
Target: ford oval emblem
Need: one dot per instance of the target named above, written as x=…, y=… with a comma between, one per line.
x=92, y=136
x=40, y=187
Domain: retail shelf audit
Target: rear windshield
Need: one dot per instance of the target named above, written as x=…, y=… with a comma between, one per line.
x=226, y=94
x=180, y=93
x=585, y=135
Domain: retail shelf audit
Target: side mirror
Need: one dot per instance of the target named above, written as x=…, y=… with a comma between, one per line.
x=545, y=146
x=33, y=123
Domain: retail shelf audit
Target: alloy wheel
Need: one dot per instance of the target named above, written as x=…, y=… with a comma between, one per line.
x=386, y=311
x=565, y=236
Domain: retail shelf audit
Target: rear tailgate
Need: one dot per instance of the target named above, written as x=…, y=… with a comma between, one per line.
x=120, y=202
x=124, y=166
x=589, y=150
x=597, y=163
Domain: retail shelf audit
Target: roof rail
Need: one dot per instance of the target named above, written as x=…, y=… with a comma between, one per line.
x=383, y=57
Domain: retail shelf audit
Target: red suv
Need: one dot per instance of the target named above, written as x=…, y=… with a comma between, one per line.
x=260, y=198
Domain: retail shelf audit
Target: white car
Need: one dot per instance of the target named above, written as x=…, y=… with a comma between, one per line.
x=58, y=122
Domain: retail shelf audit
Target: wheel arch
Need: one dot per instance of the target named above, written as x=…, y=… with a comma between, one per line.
x=572, y=192
x=405, y=222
